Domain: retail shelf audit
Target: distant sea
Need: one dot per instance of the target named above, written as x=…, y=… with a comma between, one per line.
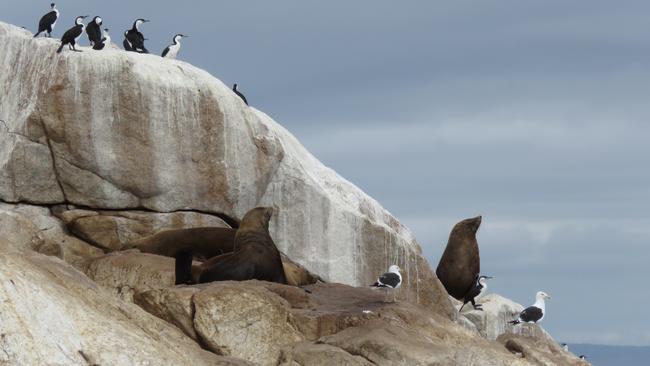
x=599, y=355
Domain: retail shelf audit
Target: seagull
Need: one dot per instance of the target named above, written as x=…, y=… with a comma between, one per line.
x=475, y=292
x=534, y=313
x=389, y=280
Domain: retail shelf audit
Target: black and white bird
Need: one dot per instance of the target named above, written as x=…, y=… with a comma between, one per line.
x=71, y=36
x=234, y=88
x=171, y=51
x=534, y=313
x=389, y=280
x=135, y=38
x=126, y=43
x=106, y=40
x=565, y=346
x=94, y=31
x=479, y=288
x=48, y=21
x=583, y=357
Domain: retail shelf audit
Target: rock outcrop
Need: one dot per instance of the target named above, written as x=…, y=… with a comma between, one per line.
x=113, y=130
x=98, y=149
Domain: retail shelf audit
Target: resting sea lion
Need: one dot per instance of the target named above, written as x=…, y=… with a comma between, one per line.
x=185, y=244
x=460, y=263
x=255, y=256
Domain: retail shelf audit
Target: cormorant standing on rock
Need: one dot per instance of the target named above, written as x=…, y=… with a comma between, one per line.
x=475, y=292
x=135, y=38
x=106, y=39
x=172, y=50
x=94, y=31
x=71, y=36
x=234, y=88
x=48, y=21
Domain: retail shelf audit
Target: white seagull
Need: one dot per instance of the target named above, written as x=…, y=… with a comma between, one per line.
x=389, y=280
x=534, y=313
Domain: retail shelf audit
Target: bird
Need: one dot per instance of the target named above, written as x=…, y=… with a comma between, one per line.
x=565, y=346
x=389, y=280
x=583, y=357
x=234, y=88
x=172, y=50
x=126, y=43
x=534, y=313
x=479, y=288
x=48, y=21
x=135, y=38
x=106, y=39
x=94, y=31
x=71, y=36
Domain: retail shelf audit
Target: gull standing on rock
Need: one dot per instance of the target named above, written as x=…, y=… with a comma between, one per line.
x=390, y=280
x=534, y=313
x=171, y=51
x=48, y=21
x=71, y=36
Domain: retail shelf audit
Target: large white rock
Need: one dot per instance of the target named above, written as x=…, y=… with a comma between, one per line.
x=118, y=130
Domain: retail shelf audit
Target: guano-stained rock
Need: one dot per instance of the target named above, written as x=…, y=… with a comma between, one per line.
x=168, y=136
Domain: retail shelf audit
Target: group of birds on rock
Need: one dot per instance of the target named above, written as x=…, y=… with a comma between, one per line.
x=532, y=314
x=133, y=38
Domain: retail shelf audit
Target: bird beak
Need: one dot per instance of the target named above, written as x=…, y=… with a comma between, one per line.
x=85, y=16
x=186, y=36
x=489, y=277
x=146, y=21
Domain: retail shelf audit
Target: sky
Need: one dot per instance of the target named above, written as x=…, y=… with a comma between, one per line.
x=533, y=114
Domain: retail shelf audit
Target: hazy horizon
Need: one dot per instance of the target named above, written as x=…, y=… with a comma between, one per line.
x=530, y=114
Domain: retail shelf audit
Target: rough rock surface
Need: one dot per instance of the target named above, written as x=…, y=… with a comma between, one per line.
x=124, y=273
x=118, y=130
x=31, y=227
x=110, y=230
x=272, y=324
x=493, y=320
x=51, y=314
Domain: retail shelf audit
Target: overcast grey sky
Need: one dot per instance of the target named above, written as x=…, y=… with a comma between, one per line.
x=534, y=114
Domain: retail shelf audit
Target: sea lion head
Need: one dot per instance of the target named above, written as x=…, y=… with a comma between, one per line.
x=469, y=225
x=258, y=217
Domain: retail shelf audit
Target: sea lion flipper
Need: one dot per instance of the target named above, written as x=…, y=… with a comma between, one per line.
x=183, y=267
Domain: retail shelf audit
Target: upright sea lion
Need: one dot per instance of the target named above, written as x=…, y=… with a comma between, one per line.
x=255, y=256
x=460, y=263
x=186, y=244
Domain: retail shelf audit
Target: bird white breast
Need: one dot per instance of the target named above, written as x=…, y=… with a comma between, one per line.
x=98, y=21
x=83, y=28
x=57, y=17
x=173, y=51
x=108, y=38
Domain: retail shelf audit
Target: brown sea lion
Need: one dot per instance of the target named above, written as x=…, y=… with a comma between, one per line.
x=460, y=263
x=186, y=244
x=255, y=256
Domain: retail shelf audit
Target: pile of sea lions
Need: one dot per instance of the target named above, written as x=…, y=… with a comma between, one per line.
x=241, y=254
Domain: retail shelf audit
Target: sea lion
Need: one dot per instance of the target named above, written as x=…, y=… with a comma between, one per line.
x=255, y=256
x=460, y=263
x=186, y=244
